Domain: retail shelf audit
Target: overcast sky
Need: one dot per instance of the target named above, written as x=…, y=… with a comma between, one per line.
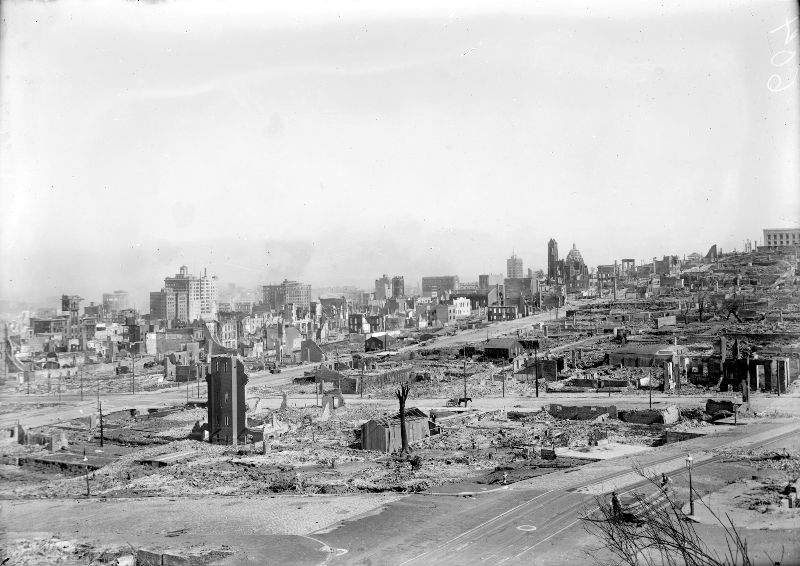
x=332, y=143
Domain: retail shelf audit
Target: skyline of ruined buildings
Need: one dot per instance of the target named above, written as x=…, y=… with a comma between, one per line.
x=281, y=315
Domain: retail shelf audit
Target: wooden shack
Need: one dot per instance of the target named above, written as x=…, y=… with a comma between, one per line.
x=383, y=434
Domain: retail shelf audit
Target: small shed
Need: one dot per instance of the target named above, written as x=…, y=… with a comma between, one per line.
x=548, y=369
x=649, y=355
x=383, y=434
x=334, y=380
x=378, y=343
x=505, y=349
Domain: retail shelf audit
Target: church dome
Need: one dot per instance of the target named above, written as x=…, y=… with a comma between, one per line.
x=574, y=255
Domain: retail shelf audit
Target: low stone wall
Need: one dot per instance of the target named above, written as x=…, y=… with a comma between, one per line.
x=581, y=413
x=667, y=415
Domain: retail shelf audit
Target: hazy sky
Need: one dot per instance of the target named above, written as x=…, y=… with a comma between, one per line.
x=334, y=142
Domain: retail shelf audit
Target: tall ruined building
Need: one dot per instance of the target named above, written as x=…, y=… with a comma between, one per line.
x=224, y=397
x=552, y=260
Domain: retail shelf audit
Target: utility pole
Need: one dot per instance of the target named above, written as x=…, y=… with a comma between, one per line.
x=651, y=388
x=536, y=369
x=234, y=401
x=465, y=375
x=133, y=374
x=81, y=380
x=100, y=406
x=86, y=466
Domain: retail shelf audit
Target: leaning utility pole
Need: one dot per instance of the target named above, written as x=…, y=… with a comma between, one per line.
x=100, y=407
x=234, y=401
x=536, y=368
x=86, y=466
x=465, y=375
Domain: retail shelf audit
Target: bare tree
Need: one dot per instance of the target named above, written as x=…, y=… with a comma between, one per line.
x=684, y=308
x=402, y=395
x=701, y=303
x=654, y=532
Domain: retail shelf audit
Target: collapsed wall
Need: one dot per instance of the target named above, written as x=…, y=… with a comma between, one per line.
x=581, y=413
x=667, y=415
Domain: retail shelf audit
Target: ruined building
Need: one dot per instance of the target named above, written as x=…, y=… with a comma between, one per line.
x=226, y=400
x=553, y=267
x=514, y=267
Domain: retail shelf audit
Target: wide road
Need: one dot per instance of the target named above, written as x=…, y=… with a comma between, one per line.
x=71, y=407
x=536, y=521
x=499, y=328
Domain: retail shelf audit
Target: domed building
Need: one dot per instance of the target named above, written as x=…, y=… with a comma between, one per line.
x=576, y=273
x=574, y=255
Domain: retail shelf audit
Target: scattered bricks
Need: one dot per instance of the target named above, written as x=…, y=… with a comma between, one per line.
x=671, y=414
x=581, y=413
x=518, y=415
x=148, y=558
x=591, y=383
x=619, y=383
x=169, y=559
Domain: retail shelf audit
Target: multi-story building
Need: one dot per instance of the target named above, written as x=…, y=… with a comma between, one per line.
x=206, y=293
x=398, y=287
x=170, y=305
x=521, y=292
x=488, y=280
x=778, y=238
x=468, y=287
x=201, y=293
x=226, y=400
x=514, y=267
x=228, y=330
x=288, y=292
x=383, y=288
x=552, y=261
x=115, y=302
x=439, y=286
x=357, y=323
x=243, y=306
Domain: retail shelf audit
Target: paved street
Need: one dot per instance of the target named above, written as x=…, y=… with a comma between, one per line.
x=535, y=521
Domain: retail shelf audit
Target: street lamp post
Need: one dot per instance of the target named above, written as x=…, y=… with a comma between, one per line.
x=689, y=462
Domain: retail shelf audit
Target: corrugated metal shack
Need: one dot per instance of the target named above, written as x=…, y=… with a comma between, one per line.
x=383, y=434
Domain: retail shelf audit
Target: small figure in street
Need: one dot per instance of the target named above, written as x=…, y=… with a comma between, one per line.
x=665, y=481
x=505, y=478
x=616, y=506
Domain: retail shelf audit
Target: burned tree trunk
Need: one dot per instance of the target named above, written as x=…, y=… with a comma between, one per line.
x=701, y=305
x=402, y=395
